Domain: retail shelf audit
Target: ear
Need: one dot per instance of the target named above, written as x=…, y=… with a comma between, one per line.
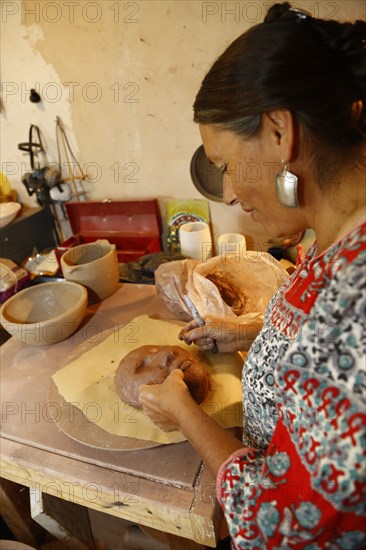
x=282, y=126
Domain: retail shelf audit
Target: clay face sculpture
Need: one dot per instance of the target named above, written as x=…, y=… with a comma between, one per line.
x=152, y=365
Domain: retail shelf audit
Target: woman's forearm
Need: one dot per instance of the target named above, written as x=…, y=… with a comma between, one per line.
x=171, y=407
x=212, y=442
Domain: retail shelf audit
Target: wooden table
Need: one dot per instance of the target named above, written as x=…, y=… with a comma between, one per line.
x=167, y=488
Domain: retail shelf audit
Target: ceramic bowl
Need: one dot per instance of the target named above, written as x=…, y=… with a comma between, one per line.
x=8, y=211
x=46, y=313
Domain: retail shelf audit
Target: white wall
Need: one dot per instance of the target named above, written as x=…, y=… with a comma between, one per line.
x=122, y=76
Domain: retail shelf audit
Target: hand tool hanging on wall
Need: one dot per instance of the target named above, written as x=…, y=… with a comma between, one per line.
x=44, y=176
x=76, y=175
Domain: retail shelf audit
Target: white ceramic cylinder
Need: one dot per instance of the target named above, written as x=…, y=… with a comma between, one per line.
x=195, y=240
x=231, y=243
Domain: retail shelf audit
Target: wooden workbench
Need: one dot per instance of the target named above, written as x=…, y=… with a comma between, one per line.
x=166, y=487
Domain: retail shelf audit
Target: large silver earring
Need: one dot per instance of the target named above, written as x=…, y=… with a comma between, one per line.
x=286, y=188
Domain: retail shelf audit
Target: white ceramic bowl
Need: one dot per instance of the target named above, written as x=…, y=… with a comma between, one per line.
x=8, y=211
x=46, y=313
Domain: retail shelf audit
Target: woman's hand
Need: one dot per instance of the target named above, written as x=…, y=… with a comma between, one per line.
x=171, y=407
x=164, y=403
x=228, y=335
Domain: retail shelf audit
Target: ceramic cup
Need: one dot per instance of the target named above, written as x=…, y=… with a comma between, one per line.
x=231, y=243
x=95, y=266
x=195, y=240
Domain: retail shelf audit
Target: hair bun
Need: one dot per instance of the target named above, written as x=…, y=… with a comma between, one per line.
x=348, y=42
x=276, y=12
x=284, y=12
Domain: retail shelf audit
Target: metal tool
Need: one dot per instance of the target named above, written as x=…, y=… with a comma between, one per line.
x=198, y=318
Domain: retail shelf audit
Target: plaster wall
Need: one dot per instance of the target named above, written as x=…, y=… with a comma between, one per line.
x=122, y=76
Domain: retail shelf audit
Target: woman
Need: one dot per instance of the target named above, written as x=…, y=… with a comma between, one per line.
x=288, y=98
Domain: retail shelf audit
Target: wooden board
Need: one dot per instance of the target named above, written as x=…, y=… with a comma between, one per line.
x=26, y=372
x=165, y=488
x=168, y=508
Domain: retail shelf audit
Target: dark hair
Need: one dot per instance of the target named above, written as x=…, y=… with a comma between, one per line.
x=315, y=68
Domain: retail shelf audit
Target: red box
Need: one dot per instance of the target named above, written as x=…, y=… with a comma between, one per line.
x=133, y=226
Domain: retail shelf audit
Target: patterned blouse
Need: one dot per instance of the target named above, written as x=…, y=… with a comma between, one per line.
x=300, y=481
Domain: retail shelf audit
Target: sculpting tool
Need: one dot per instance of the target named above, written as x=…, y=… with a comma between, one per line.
x=198, y=318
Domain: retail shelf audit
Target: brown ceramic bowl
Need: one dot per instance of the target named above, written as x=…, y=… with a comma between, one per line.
x=46, y=313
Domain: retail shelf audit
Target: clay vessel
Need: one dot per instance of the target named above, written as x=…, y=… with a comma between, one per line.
x=93, y=265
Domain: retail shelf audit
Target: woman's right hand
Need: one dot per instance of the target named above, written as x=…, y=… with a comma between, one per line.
x=228, y=335
x=164, y=403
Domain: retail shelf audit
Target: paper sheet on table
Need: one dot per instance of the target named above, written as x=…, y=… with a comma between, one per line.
x=90, y=380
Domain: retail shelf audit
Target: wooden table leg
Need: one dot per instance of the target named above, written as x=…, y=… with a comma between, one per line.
x=180, y=543
x=15, y=509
